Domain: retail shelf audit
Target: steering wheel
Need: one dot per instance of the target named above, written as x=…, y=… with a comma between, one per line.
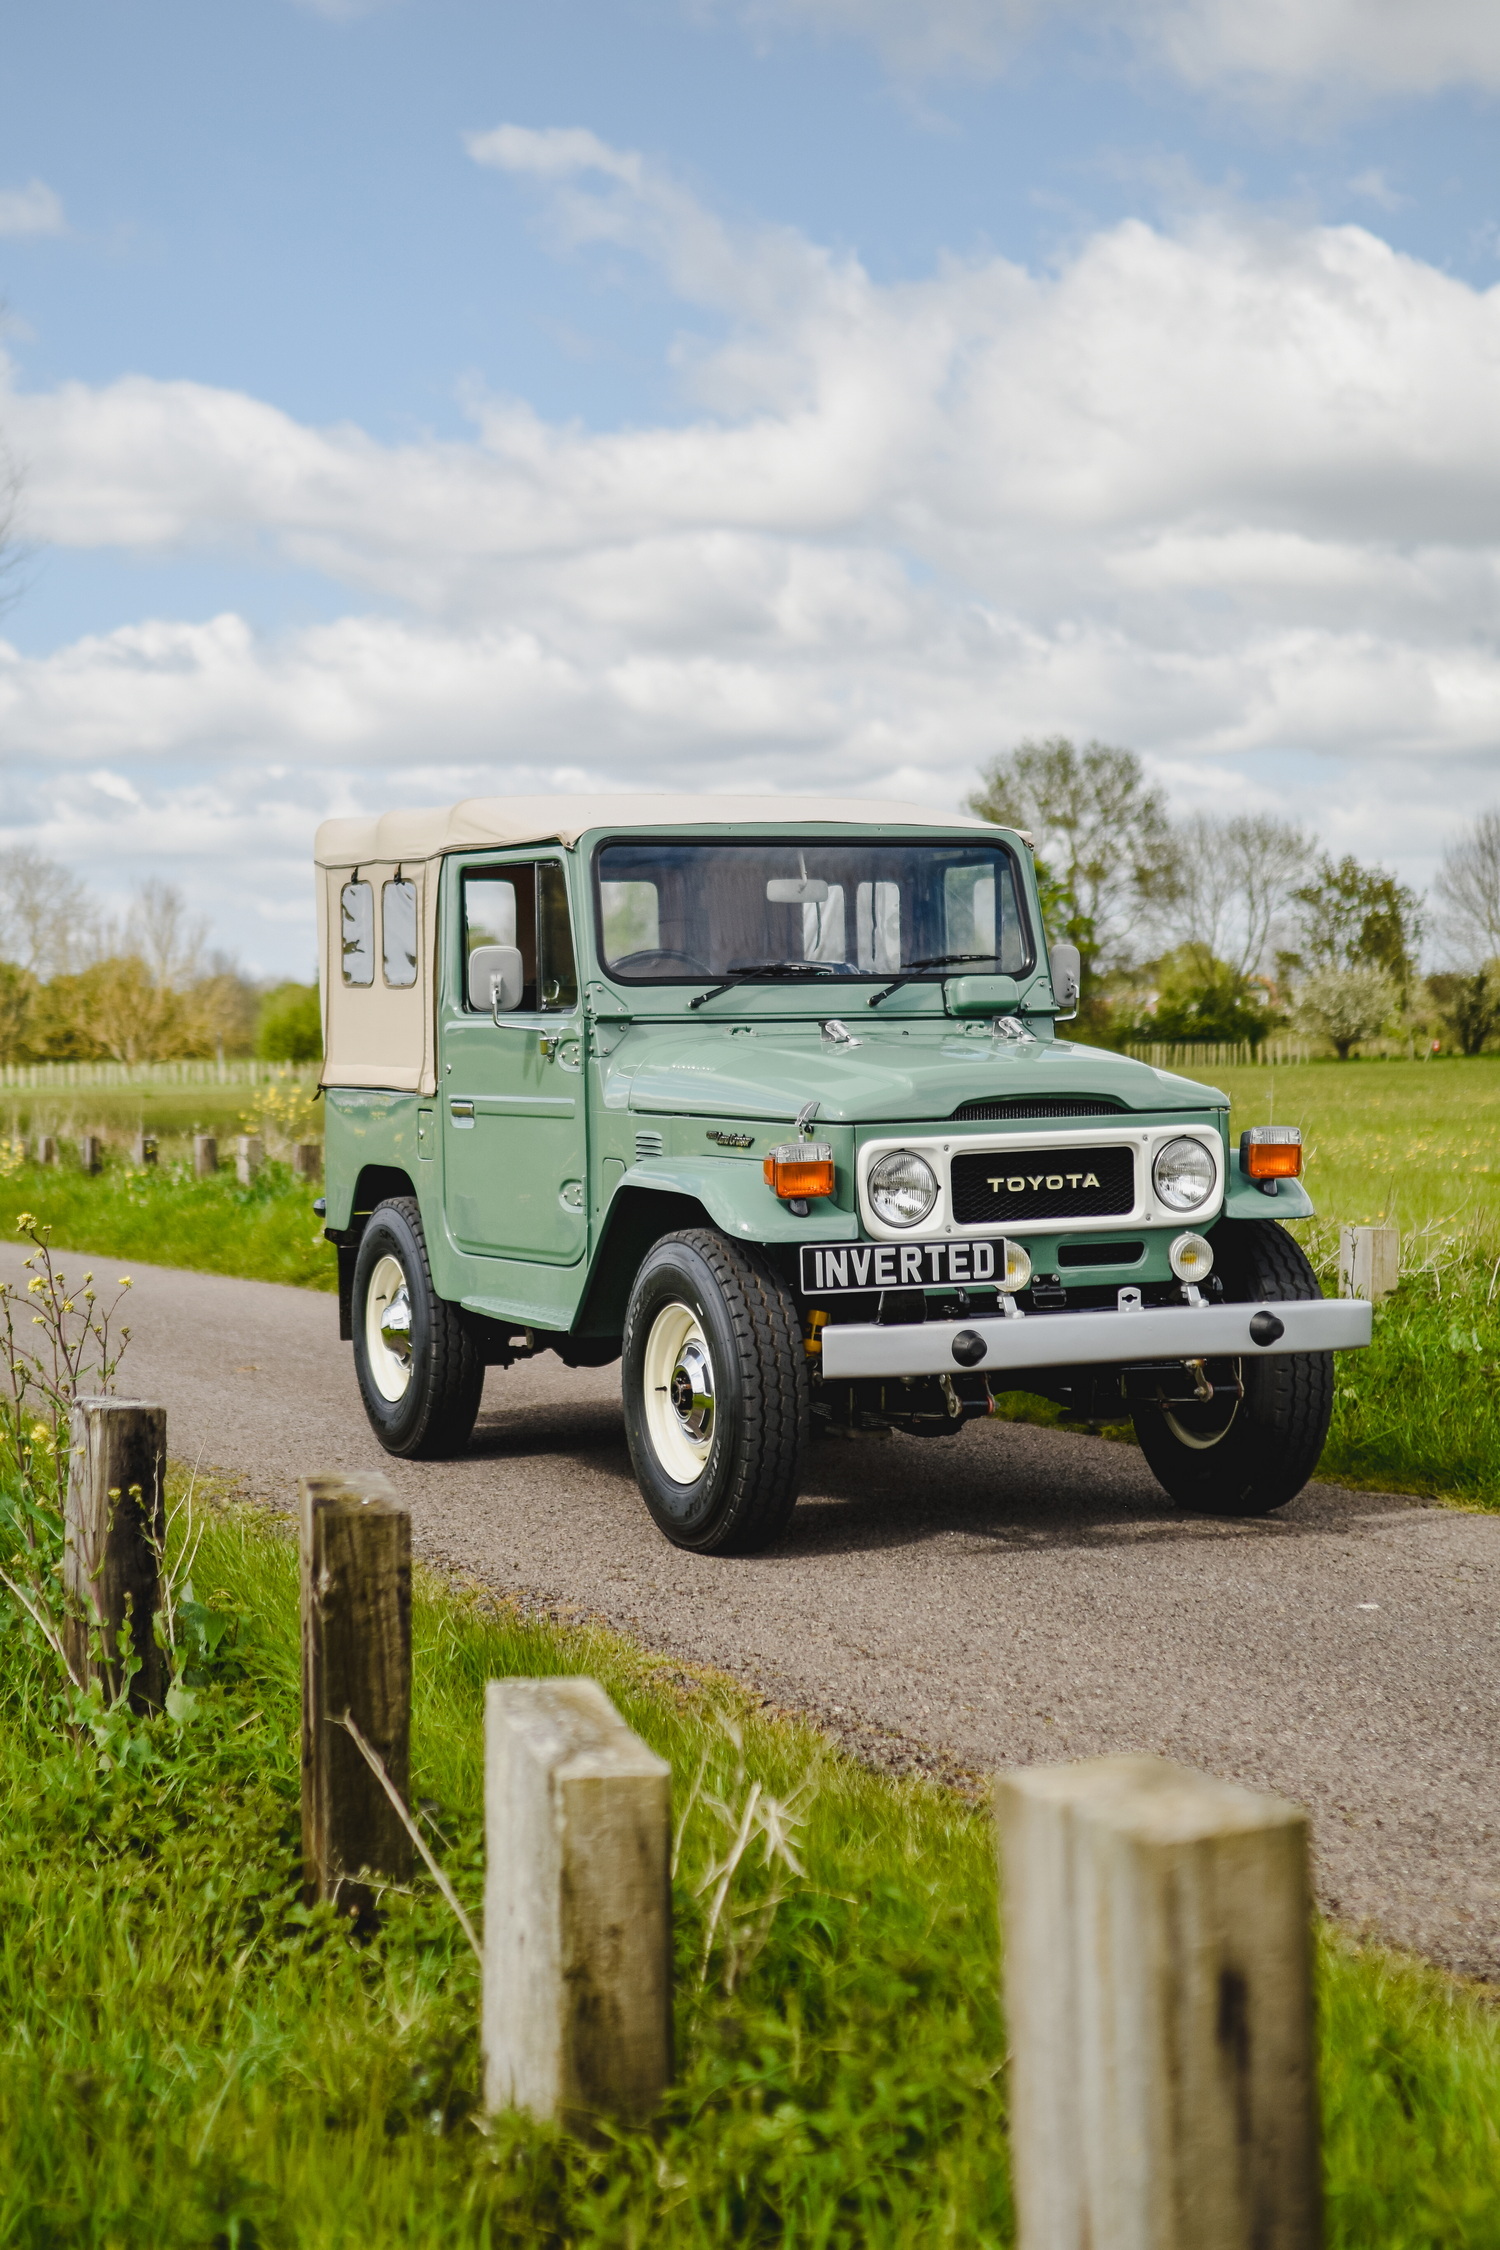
x=656, y=957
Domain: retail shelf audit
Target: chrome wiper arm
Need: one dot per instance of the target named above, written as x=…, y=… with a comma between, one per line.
x=932, y=961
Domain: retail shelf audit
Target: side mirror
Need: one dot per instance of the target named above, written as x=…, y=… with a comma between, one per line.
x=497, y=979
x=1066, y=963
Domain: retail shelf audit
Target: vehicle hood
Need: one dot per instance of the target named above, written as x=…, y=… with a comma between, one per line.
x=888, y=1077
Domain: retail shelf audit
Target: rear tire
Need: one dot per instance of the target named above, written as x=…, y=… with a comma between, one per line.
x=716, y=1393
x=419, y=1374
x=1256, y=1454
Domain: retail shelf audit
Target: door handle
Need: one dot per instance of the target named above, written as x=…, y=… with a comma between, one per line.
x=548, y=1043
x=463, y=1111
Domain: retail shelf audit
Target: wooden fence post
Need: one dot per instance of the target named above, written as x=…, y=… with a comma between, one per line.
x=114, y=1522
x=307, y=1160
x=90, y=1152
x=1158, y=1987
x=356, y=1663
x=205, y=1155
x=249, y=1155
x=1369, y=1262
x=144, y=1149
x=46, y=1149
x=577, y=2016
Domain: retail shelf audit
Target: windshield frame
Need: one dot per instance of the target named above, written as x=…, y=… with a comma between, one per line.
x=820, y=978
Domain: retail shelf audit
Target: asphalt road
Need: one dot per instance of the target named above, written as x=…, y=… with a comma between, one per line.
x=1004, y=1596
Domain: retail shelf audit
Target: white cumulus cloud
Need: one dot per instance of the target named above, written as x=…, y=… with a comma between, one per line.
x=1401, y=46
x=33, y=209
x=1229, y=494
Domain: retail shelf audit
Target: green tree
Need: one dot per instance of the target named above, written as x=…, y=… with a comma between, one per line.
x=1354, y=917
x=290, y=1025
x=1346, y=1005
x=1469, y=1004
x=1104, y=847
x=1199, y=996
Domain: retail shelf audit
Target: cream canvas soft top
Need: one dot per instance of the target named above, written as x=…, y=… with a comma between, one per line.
x=382, y=1034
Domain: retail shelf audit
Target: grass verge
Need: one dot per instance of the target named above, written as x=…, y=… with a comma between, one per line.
x=164, y=1216
x=191, y=2058
x=1414, y=1144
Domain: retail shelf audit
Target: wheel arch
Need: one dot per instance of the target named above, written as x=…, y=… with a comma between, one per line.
x=637, y=1217
x=375, y=1183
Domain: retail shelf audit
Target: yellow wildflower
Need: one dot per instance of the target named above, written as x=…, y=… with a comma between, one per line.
x=25, y=1220
x=37, y=1281
x=124, y=1281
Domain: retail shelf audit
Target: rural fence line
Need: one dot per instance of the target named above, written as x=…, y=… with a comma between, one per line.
x=1220, y=1054
x=62, y=1077
x=1157, y=1922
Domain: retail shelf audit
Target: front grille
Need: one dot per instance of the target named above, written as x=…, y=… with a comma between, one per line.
x=999, y=1186
x=649, y=1144
x=1040, y=1105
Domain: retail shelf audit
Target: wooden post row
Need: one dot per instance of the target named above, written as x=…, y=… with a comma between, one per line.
x=356, y=1663
x=205, y=1155
x=249, y=1155
x=1369, y=1262
x=114, y=1523
x=1158, y=1987
x=577, y=2011
x=90, y=1152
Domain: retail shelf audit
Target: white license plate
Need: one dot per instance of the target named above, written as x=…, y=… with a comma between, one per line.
x=829, y=1268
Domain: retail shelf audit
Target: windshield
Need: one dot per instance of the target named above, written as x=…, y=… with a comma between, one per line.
x=673, y=913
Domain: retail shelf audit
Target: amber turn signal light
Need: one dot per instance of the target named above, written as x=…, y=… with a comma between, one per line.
x=1271, y=1152
x=799, y=1170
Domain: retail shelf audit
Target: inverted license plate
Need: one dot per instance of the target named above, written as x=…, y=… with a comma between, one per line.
x=828, y=1268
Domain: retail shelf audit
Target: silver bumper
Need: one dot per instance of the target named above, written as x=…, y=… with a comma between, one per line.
x=1097, y=1339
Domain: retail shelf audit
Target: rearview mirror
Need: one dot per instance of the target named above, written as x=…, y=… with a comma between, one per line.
x=497, y=979
x=797, y=890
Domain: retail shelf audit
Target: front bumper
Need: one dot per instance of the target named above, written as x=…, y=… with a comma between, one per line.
x=1097, y=1339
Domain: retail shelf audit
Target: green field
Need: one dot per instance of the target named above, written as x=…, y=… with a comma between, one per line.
x=190, y=2059
x=1411, y=1144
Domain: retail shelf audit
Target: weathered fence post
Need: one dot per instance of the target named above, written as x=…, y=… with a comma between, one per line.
x=307, y=1160
x=1369, y=1262
x=577, y=2017
x=46, y=1149
x=205, y=1155
x=114, y=1523
x=1158, y=1987
x=144, y=1150
x=249, y=1155
x=356, y=1664
x=90, y=1152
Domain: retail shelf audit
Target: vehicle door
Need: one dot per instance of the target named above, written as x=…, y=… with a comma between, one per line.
x=512, y=1086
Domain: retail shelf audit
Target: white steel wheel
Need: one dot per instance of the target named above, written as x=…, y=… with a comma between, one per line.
x=388, y=1329
x=677, y=1378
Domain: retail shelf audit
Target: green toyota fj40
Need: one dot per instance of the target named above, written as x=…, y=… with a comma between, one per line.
x=773, y=1099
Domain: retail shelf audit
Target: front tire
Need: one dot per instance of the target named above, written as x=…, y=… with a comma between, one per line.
x=1245, y=1457
x=419, y=1374
x=717, y=1400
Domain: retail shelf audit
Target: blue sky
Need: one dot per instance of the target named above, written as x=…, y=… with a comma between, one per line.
x=879, y=383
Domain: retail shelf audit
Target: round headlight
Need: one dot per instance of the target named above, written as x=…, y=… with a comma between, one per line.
x=903, y=1188
x=1184, y=1174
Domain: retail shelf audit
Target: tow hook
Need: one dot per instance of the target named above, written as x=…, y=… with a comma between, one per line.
x=1201, y=1383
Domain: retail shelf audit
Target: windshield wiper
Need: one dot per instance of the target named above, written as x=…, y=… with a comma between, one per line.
x=932, y=961
x=769, y=970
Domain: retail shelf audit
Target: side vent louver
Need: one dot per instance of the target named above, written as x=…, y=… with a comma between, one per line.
x=649, y=1144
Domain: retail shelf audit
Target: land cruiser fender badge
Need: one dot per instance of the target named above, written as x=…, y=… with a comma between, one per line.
x=731, y=1140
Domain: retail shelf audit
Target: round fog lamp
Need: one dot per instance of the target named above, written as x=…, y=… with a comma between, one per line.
x=1192, y=1259
x=1183, y=1174
x=903, y=1188
x=1015, y=1268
